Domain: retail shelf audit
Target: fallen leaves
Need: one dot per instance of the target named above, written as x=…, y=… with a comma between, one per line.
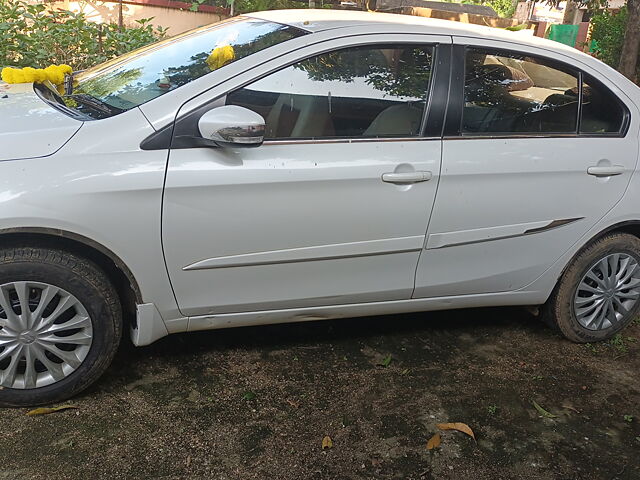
x=542, y=411
x=459, y=426
x=569, y=407
x=327, y=442
x=386, y=361
x=434, y=442
x=48, y=410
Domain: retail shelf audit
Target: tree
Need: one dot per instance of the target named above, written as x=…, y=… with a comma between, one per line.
x=631, y=45
x=570, y=12
x=628, y=65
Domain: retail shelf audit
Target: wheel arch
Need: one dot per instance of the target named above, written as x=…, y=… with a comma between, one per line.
x=631, y=227
x=116, y=270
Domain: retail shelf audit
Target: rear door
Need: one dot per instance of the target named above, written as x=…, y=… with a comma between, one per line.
x=535, y=152
x=334, y=207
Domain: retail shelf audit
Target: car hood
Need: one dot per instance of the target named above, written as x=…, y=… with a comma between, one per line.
x=29, y=127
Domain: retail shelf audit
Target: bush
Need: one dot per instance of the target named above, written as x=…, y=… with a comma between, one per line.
x=608, y=35
x=32, y=35
x=504, y=8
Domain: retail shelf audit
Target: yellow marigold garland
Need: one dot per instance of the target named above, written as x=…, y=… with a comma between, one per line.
x=54, y=73
x=220, y=56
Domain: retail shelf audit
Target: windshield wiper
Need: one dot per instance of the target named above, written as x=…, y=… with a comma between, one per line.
x=68, y=84
x=95, y=103
x=68, y=81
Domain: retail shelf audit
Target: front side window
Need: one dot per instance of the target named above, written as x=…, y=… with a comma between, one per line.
x=517, y=94
x=144, y=74
x=368, y=91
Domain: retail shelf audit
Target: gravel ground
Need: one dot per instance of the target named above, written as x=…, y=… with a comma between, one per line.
x=256, y=403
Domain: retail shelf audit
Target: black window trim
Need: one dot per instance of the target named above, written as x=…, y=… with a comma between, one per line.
x=453, y=121
x=180, y=133
x=626, y=120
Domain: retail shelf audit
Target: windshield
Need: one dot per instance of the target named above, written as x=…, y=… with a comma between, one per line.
x=144, y=74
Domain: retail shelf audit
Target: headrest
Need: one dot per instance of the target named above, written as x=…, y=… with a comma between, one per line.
x=510, y=78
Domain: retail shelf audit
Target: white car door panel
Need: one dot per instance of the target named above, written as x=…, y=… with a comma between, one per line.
x=509, y=205
x=295, y=225
x=298, y=222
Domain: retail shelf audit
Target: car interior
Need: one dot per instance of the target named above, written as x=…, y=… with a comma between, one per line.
x=394, y=109
x=505, y=94
x=523, y=95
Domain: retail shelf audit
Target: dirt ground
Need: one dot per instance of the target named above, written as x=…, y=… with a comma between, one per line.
x=255, y=403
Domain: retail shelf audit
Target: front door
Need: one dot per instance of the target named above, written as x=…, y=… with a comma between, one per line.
x=332, y=209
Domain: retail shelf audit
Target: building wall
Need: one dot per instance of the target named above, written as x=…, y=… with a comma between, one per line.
x=166, y=14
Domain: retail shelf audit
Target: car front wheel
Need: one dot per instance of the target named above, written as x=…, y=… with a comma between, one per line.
x=60, y=325
x=597, y=296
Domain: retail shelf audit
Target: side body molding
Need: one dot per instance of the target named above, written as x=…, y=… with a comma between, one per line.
x=310, y=254
x=465, y=237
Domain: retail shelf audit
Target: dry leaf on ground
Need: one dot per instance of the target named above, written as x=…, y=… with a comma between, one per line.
x=434, y=442
x=569, y=407
x=460, y=427
x=47, y=410
x=542, y=411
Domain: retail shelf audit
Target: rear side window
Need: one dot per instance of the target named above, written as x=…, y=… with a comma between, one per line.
x=517, y=94
x=368, y=91
x=602, y=111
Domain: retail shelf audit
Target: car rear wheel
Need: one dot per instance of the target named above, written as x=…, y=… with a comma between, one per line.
x=60, y=325
x=598, y=295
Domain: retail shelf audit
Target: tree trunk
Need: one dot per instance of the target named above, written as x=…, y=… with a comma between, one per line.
x=631, y=45
x=120, y=20
x=570, y=12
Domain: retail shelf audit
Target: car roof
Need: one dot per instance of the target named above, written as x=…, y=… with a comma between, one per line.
x=324, y=19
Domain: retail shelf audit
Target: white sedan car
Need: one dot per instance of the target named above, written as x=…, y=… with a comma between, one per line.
x=396, y=164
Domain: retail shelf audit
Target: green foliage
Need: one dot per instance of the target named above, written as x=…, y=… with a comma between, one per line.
x=195, y=4
x=620, y=343
x=248, y=396
x=504, y=8
x=245, y=6
x=32, y=35
x=608, y=35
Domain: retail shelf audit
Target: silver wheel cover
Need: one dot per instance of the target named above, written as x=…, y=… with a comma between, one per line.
x=45, y=334
x=607, y=292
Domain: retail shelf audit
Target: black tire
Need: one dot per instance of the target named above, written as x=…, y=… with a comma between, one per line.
x=89, y=284
x=559, y=312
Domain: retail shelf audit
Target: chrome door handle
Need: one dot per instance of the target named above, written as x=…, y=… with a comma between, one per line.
x=606, y=171
x=405, y=178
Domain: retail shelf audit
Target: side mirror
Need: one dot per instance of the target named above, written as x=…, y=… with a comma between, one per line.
x=232, y=126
